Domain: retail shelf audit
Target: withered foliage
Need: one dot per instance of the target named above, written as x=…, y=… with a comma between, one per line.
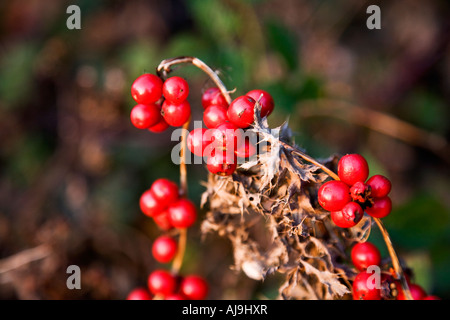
x=268, y=209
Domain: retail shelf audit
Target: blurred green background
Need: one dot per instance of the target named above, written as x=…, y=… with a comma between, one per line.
x=72, y=167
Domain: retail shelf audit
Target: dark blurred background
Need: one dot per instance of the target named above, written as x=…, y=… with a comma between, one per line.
x=72, y=167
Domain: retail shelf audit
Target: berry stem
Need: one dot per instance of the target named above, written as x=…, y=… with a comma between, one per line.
x=166, y=66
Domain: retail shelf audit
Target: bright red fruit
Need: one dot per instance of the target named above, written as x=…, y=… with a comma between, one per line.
x=334, y=195
x=194, y=287
x=175, y=296
x=139, y=294
x=381, y=207
x=361, y=289
x=353, y=168
x=246, y=149
x=197, y=141
x=175, y=89
x=349, y=216
x=162, y=220
x=162, y=282
x=144, y=116
x=417, y=292
x=147, y=89
x=159, y=127
x=182, y=213
x=365, y=254
x=431, y=298
x=226, y=136
x=241, y=111
x=215, y=115
x=176, y=114
x=149, y=205
x=213, y=96
x=164, y=249
x=222, y=163
x=381, y=186
x=266, y=101
x=164, y=191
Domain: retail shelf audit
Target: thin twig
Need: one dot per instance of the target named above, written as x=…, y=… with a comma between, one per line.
x=24, y=257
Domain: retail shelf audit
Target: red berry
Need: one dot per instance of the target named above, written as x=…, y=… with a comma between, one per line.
x=197, y=141
x=149, y=205
x=162, y=282
x=139, y=294
x=364, y=289
x=417, y=292
x=194, y=287
x=266, y=101
x=241, y=111
x=365, y=254
x=226, y=136
x=246, y=149
x=176, y=114
x=431, y=298
x=164, y=249
x=359, y=192
x=175, y=89
x=164, y=191
x=334, y=195
x=381, y=186
x=182, y=213
x=349, y=216
x=213, y=96
x=215, y=115
x=160, y=126
x=222, y=163
x=381, y=207
x=162, y=220
x=144, y=116
x=147, y=89
x=353, y=168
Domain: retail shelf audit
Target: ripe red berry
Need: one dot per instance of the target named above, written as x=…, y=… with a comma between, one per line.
x=226, y=136
x=164, y=249
x=159, y=127
x=194, y=287
x=381, y=207
x=213, y=96
x=175, y=296
x=431, y=298
x=266, y=101
x=175, y=89
x=364, y=288
x=222, y=163
x=365, y=254
x=380, y=185
x=334, y=195
x=198, y=140
x=353, y=168
x=164, y=191
x=144, y=116
x=176, y=114
x=162, y=220
x=241, y=111
x=246, y=149
x=417, y=292
x=182, y=213
x=149, y=205
x=139, y=294
x=215, y=115
x=349, y=216
x=162, y=282
x=147, y=89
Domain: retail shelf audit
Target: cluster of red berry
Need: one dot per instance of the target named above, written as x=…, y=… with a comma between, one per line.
x=162, y=203
x=148, y=91
x=348, y=198
x=165, y=285
x=223, y=142
x=363, y=256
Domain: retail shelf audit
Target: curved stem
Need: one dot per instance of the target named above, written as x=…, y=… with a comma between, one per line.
x=166, y=66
